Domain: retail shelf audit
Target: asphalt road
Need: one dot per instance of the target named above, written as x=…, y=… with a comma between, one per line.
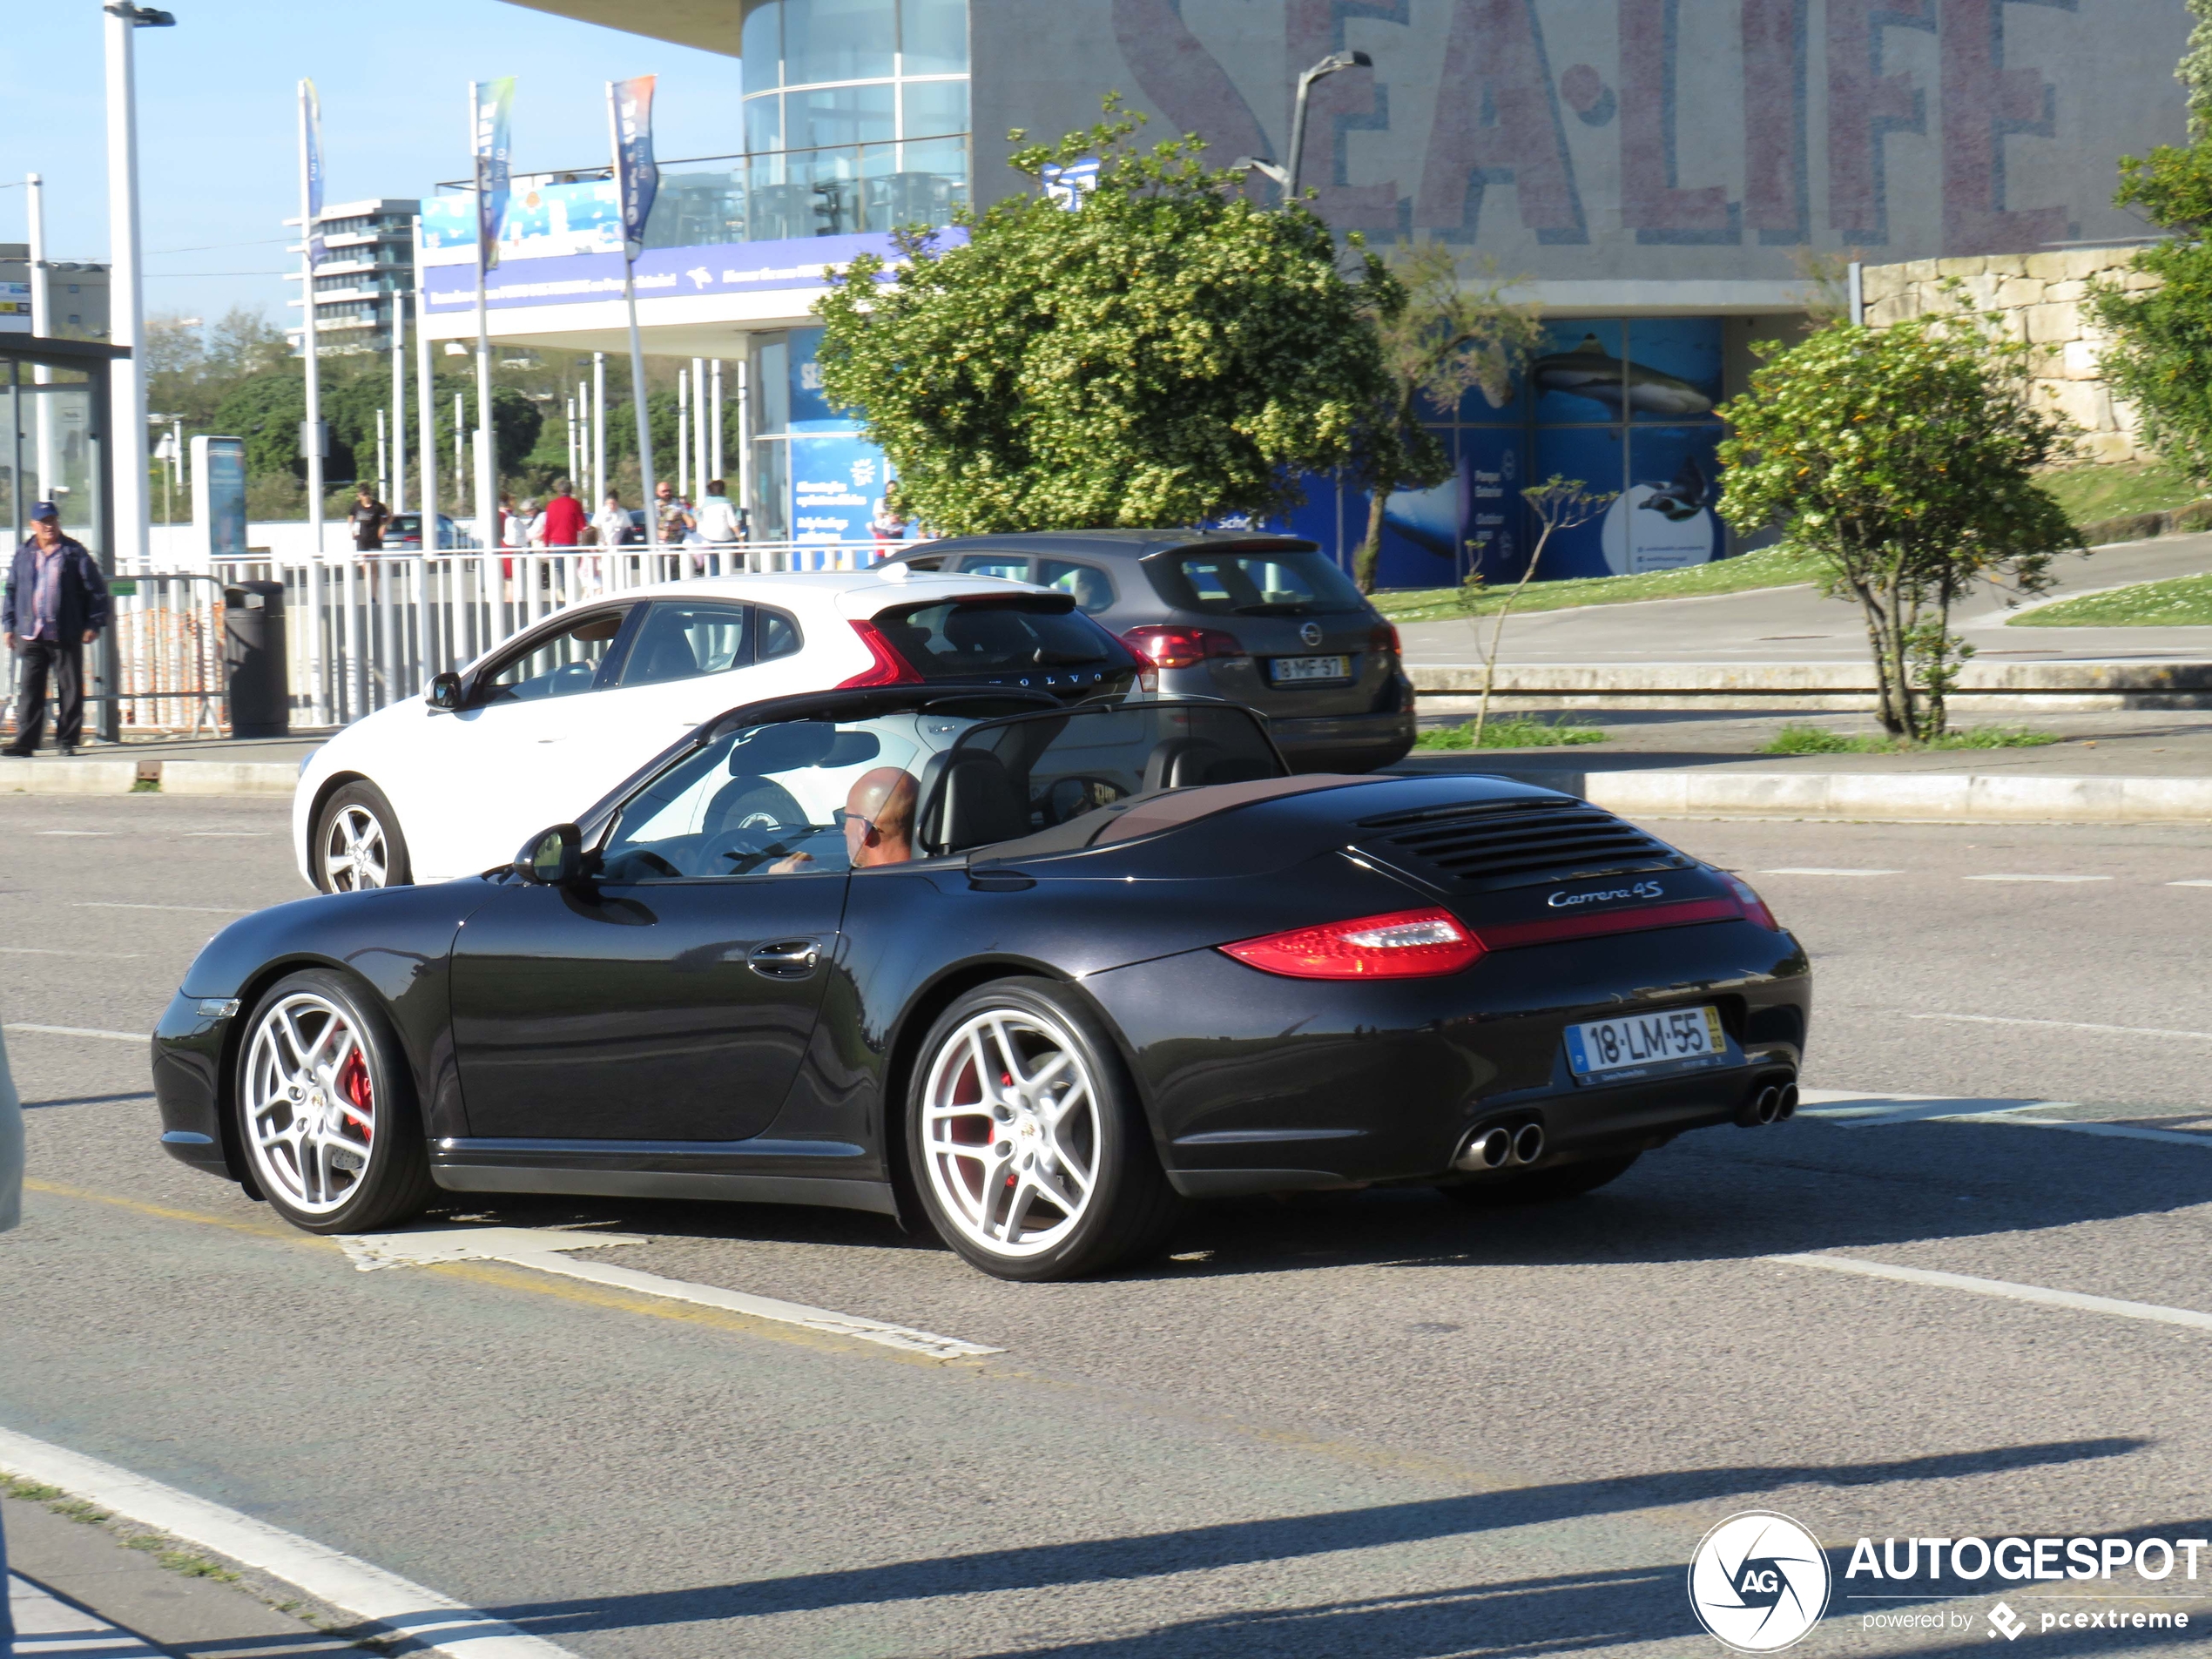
x=1796, y=625
x=1363, y=1424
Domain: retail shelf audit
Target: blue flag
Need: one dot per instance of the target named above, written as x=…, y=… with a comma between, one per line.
x=630, y=105
x=314, y=130
x=493, y=103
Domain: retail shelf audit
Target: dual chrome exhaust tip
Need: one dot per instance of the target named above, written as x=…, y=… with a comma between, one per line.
x=1496, y=1148
x=1774, y=1101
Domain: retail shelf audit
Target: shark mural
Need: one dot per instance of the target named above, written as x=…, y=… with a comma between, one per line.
x=1616, y=384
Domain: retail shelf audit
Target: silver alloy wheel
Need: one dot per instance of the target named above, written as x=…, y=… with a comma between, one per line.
x=310, y=1105
x=354, y=853
x=1010, y=1131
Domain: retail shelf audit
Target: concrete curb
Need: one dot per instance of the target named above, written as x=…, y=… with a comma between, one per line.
x=1984, y=687
x=43, y=777
x=1940, y=797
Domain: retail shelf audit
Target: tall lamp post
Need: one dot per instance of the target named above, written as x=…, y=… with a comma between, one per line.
x=128, y=533
x=1288, y=177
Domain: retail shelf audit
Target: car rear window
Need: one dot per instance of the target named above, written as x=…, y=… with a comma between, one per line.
x=1014, y=639
x=1253, y=582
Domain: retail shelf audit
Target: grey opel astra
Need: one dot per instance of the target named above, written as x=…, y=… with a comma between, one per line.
x=1267, y=621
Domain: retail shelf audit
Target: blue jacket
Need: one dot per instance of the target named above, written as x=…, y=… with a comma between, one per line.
x=85, y=603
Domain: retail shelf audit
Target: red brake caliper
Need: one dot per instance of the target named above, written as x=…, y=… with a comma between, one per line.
x=1006, y=1081
x=353, y=1082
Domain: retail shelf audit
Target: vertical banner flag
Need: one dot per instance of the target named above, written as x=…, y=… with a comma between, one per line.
x=312, y=229
x=636, y=176
x=495, y=104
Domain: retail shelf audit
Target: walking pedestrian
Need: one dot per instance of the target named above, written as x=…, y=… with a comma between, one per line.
x=10, y=1212
x=610, y=528
x=675, y=514
x=369, y=519
x=57, y=604
x=720, y=526
x=563, y=517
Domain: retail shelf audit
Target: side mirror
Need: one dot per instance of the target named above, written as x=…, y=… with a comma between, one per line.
x=444, y=692
x=552, y=858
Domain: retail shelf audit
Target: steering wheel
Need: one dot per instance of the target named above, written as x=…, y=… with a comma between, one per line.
x=746, y=849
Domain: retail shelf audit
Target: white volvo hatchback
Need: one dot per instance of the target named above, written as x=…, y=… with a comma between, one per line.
x=536, y=730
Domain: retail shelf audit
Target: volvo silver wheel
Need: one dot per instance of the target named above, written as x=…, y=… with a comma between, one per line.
x=354, y=852
x=310, y=1108
x=1011, y=1131
x=358, y=845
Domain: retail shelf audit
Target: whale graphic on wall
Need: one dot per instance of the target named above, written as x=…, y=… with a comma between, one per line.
x=1589, y=371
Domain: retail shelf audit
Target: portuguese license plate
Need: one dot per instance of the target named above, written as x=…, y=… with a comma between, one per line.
x=1678, y=1040
x=1291, y=670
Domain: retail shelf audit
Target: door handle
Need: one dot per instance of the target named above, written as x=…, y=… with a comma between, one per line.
x=785, y=959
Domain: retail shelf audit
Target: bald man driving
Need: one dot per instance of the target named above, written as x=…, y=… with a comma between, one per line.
x=877, y=820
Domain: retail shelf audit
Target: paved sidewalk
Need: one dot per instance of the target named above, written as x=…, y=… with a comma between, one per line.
x=142, y=1610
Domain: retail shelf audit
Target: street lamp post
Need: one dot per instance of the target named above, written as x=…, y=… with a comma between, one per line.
x=1288, y=177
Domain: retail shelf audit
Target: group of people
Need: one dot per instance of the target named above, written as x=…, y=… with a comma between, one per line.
x=715, y=522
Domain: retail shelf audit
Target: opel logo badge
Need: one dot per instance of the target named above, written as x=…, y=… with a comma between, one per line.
x=1311, y=633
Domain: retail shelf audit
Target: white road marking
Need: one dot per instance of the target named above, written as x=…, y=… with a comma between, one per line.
x=2036, y=878
x=34, y=950
x=83, y=1031
x=344, y=1581
x=1848, y=1111
x=208, y=910
x=538, y=1248
x=2065, y=1025
x=1811, y=870
x=2189, y=883
x=2036, y=1294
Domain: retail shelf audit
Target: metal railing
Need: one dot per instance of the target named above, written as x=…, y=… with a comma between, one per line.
x=364, y=630
x=166, y=637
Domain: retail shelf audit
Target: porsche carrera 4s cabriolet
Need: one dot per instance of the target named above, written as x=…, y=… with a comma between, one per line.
x=1030, y=974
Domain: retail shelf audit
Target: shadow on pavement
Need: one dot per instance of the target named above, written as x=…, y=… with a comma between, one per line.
x=1613, y=1603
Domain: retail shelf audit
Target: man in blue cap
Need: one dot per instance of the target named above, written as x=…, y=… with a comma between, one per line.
x=55, y=605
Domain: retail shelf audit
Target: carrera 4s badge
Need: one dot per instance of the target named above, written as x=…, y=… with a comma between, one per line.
x=1564, y=901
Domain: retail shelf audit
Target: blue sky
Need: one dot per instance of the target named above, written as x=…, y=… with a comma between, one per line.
x=218, y=162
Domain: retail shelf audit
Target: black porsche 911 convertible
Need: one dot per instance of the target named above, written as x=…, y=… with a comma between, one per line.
x=1036, y=974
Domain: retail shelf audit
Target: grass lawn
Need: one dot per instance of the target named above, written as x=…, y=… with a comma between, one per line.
x=2115, y=490
x=1816, y=740
x=2179, y=601
x=1509, y=732
x=1771, y=566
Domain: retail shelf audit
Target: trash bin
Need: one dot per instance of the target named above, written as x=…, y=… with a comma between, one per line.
x=253, y=660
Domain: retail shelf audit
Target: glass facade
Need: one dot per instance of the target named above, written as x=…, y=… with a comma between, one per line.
x=856, y=116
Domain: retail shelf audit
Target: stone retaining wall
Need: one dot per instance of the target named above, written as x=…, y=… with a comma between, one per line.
x=2043, y=296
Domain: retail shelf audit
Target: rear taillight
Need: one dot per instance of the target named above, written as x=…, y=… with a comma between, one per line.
x=885, y=667
x=1164, y=646
x=1406, y=944
x=1384, y=637
x=1754, y=907
x=1414, y=944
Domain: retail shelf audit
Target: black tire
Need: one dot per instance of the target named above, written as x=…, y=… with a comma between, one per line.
x=1128, y=1209
x=1541, y=1186
x=358, y=816
x=374, y=1162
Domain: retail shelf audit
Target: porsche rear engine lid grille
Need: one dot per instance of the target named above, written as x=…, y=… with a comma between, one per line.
x=1514, y=843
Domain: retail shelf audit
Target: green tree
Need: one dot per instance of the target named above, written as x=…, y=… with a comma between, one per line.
x=1167, y=353
x=2160, y=354
x=1439, y=341
x=1904, y=459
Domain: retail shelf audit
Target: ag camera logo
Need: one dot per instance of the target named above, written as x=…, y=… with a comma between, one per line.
x=1758, y=1581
